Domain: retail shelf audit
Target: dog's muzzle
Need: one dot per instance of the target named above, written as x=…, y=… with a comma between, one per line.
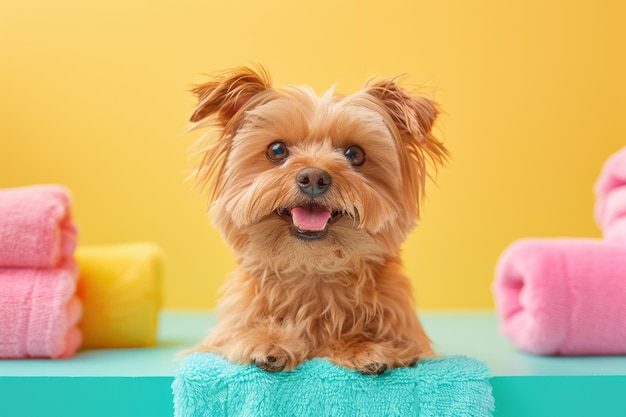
x=310, y=220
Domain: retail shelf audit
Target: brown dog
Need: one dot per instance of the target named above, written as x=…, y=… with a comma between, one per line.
x=315, y=195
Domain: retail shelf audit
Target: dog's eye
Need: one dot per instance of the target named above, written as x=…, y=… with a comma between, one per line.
x=355, y=155
x=277, y=152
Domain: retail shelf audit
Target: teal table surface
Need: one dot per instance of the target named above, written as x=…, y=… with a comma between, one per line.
x=453, y=333
x=136, y=382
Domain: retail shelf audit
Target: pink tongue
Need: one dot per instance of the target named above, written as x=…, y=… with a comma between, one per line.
x=312, y=217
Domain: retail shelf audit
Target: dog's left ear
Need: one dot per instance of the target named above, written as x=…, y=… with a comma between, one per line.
x=227, y=92
x=413, y=117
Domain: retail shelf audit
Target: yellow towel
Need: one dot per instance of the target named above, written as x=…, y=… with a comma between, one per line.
x=120, y=289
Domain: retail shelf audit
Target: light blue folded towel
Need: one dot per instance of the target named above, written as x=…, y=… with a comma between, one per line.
x=207, y=385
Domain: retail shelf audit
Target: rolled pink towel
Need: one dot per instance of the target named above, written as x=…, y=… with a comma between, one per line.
x=39, y=312
x=36, y=229
x=563, y=296
x=610, y=190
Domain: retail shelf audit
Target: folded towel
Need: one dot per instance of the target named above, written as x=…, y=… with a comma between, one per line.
x=563, y=296
x=207, y=385
x=39, y=312
x=36, y=230
x=120, y=289
x=610, y=190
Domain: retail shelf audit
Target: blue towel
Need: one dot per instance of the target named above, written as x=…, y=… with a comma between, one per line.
x=207, y=385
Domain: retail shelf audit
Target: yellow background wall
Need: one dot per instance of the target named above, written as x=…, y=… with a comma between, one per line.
x=93, y=95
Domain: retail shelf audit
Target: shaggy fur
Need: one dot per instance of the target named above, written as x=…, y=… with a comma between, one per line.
x=335, y=290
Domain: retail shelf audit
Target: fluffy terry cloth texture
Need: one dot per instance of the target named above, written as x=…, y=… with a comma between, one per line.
x=610, y=190
x=39, y=312
x=563, y=296
x=208, y=385
x=36, y=230
x=120, y=289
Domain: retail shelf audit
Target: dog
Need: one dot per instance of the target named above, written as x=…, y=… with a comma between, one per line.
x=315, y=195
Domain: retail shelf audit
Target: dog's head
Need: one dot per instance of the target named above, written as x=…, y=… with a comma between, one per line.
x=298, y=179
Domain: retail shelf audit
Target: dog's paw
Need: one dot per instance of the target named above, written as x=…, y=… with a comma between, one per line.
x=373, y=368
x=370, y=357
x=362, y=361
x=272, y=358
x=270, y=363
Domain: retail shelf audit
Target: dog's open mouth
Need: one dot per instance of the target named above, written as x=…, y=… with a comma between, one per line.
x=309, y=221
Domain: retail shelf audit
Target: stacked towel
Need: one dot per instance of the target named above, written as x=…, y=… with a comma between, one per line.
x=566, y=296
x=36, y=229
x=120, y=289
x=610, y=190
x=39, y=310
x=208, y=385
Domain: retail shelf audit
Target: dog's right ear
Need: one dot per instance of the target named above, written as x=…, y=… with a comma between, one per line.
x=227, y=92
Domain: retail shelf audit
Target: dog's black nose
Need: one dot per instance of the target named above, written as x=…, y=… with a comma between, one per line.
x=314, y=181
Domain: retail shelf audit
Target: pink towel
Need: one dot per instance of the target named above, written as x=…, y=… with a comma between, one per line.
x=563, y=296
x=36, y=230
x=610, y=189
x=39, y=312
